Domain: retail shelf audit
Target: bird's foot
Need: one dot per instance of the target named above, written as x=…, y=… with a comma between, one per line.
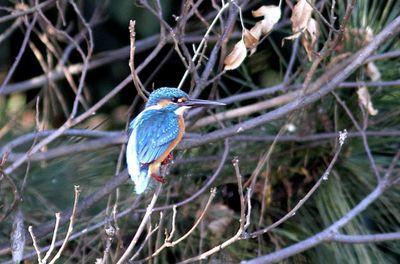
x=168, y=159
x=158, y=178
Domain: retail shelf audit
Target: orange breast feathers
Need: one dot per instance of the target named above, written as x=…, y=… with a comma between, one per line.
x=156, y=164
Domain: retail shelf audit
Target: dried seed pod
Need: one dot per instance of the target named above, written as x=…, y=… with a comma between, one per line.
x=365, y=99
x=372, y=71
x=310, y=37
x=300, y=16
x=271, y=15
x=236, y=57
x=250, y=40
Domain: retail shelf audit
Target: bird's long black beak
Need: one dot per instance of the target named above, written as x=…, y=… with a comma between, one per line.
x=201, y=103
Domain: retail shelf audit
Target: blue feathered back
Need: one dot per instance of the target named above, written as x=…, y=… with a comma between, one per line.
x=151, y=133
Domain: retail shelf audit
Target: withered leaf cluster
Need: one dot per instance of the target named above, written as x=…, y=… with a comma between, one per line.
x=371, y=70
x=251, y=37
x=359, y=37
x=305, y=26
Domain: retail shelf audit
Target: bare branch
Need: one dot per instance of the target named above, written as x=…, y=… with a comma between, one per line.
x=327, y=234
x=138, y=84
x=35, y=244
x=357, y=239
x=323, y=85
x=244, y=220
x=291, y=213
x=70, y=227
x=140, y=229
x=28, y=11
x=53, y=240
x=168, y=242
x=20, y=53
x=203, y=41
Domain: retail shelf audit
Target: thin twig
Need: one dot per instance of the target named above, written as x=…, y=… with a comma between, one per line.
x=149, y=234
x=169, y=243
x=20, y=53
x=53, y=240
x=141, y=227
x=200, y=46
x=28, y=11
x=292, y=212
x=324, y=236
x=39, y=256
x=244, y=220
x=70, y=227
x=135, y=78
x=322, y=86
x=363, y=136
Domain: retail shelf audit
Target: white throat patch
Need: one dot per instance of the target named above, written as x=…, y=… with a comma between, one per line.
x=181, y=110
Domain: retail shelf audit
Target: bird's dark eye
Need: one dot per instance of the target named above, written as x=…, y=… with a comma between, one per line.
x=175, y=99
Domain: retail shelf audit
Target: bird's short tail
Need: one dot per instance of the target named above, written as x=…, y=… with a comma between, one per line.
x=141, y=181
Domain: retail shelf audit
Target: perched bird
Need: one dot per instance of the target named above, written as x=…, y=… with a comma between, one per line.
x=155, y=132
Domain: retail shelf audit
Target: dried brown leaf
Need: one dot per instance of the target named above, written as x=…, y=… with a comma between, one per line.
x=310, y=38
x=272, y=12
x=369, y=35
x=301, y=15
x=256, y=31
x=291, y=37
x=372, y=71
x=236, y=57
x=249, y=39
x=365, y=99
x=271, y=15
x=307, y=46
x=313, y=31
x=260, y=11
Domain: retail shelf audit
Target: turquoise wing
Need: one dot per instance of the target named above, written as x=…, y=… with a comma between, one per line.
x=155, y=131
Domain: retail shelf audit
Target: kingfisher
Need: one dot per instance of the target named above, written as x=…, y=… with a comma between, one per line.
x=155, y=132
